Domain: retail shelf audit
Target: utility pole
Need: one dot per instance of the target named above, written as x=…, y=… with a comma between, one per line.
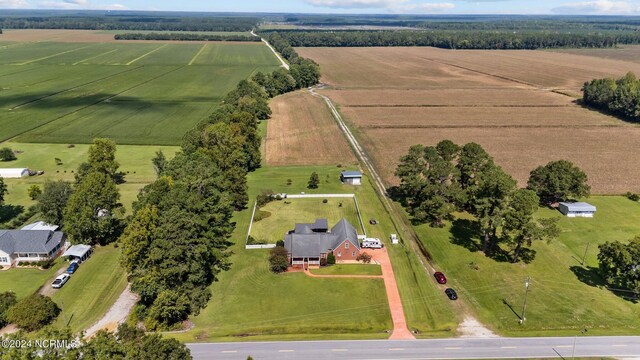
x=575, y=339
x=527, y=283
x=585, y=253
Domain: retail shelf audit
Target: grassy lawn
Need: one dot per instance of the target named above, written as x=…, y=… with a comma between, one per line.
x=92, y=289
x=286, y=213
x=23, y=281
x=251, y=303
x=564, y=296
x=349, y=269
x=134, y=160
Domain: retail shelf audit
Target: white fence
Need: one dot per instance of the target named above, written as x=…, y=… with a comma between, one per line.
x=264, y=246
x=303, y=196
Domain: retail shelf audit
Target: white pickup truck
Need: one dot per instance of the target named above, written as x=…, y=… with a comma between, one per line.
x=372, y=243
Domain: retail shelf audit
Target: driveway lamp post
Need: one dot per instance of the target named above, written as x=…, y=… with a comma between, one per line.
x=575, y=339
x=527, y=283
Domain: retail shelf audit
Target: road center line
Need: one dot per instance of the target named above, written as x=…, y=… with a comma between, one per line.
x=452, y=348
x=286, y=351
x=229, y=351
x=508, y=347
x=396, y=349
x=339, y=350
x=618, y=345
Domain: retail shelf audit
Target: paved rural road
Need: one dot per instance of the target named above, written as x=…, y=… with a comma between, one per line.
x=561, y=347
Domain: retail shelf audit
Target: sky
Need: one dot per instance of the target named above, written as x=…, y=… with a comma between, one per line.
x=588, y=7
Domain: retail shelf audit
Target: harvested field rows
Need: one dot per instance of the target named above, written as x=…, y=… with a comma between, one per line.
x=605, y=154
x=624, y=53
x=511, y=102
x=449, y=97
x=475, y=117
x=302, y=131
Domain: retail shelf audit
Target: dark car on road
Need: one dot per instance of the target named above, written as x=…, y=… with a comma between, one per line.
x=440, y=278
x=72, y=268
x=451, y=294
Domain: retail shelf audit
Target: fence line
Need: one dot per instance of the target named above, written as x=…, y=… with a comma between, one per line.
x=303, y=196
x=246, y=240
x=263, y=246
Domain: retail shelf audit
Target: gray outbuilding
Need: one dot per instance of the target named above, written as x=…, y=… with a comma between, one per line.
x=577, y=209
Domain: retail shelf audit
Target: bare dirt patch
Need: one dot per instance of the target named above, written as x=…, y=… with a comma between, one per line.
x=513, y=103
x=301, y=131
x=624, y=53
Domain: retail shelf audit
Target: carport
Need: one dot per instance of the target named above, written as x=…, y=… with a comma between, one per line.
x=78, y=252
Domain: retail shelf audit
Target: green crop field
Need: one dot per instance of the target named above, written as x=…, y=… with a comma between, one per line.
x=564, y=296
x=134, y=93
x=284, y=214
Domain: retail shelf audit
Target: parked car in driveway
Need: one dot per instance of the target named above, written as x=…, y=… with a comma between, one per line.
x=440, y=278
x=451, y=294
x=60, y=280
x=72, y=268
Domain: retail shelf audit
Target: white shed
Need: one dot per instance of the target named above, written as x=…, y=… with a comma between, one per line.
x=14, y=173
x=351, y=177
x=78, y=252
x=577, y=209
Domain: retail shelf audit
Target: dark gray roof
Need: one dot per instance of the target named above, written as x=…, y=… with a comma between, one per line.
x=29, y=241
x=351, y=174
x=312, y=244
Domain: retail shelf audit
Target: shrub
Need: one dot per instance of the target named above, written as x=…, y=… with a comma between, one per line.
x=7, y=300
x=264, y=198
x=58, y=161
x=323, y=262
x=331, y=259
x=364, y=258
x=34, y=191
x=47, y=264
x=289, y=182
x=6, y=154
x=324, y=201
x=278, y=260
x=253, y=241
x=314, y=181
x=633, y=196
x=170, y=307
x=280, y=243
x=33, y=312
x=261, y=215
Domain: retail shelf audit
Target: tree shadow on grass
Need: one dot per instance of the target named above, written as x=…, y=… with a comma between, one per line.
x=591, y=276
x=463, y=234
x=9, y=212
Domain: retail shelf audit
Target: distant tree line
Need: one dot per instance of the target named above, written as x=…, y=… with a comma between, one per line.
x=176, y=241
x=458, y=39
x=620, y=97
x=131, y=22
x=186, y=37
x=436, y=181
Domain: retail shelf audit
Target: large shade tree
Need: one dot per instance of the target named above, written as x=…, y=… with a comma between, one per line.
x=559, y=181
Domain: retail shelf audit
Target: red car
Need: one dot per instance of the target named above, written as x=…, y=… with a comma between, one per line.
x=440, y=278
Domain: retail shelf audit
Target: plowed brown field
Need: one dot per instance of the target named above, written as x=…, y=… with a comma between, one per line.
x=516, y=104
x=301, y=131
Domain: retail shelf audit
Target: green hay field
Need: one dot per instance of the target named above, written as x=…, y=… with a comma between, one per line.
x=134, y=93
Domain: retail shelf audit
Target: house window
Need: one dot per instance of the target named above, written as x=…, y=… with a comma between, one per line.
x=339, y=253
x=346, y=245
x=4, y=260
x=353, y=254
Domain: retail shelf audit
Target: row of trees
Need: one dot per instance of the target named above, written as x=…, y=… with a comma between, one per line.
x=620, y=97
x=175, y=243
x=458, y=39
x=439, y=180
x=186, y=37
x=155, y=22
x=127, y=343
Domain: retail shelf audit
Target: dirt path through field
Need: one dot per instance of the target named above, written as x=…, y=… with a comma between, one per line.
x=117, y=314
